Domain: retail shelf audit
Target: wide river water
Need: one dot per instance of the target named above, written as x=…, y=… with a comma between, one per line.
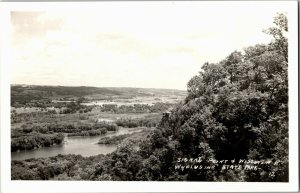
x=85, y=146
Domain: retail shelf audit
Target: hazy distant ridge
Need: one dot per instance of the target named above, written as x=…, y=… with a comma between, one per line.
x=39, y=91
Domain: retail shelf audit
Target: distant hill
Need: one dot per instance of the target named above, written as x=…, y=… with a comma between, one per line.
x=26, y=93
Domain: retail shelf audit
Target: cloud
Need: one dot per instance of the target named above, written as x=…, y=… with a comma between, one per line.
x=142, y=45
x=28, y=25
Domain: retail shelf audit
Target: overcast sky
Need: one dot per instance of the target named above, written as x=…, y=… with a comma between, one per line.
x=149, y=44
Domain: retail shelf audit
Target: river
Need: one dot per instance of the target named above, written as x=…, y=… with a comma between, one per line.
x=85, y=146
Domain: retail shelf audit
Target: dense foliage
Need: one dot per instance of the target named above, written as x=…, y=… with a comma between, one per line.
x=236, y=109
x=35, y=140
x=60, y=167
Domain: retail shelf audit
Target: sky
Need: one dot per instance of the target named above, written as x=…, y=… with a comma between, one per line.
x=131, y=44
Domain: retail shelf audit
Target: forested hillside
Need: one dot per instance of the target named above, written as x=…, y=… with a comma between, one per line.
x=236, y=109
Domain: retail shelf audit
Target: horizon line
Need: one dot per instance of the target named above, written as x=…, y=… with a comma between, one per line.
x=19, y=84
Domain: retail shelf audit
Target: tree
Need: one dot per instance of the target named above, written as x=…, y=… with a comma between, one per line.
x=278, y=32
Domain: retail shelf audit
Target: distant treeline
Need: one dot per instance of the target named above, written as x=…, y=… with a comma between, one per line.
x=136, y=108
x=56, y=107
x=100, y=128
x=93, y=132
x=77, y=107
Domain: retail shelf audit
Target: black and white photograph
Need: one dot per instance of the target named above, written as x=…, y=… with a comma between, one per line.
x=151, y=92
